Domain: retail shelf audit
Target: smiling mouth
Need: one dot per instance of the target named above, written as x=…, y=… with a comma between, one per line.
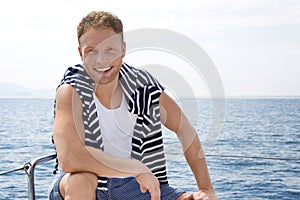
x=103, y=69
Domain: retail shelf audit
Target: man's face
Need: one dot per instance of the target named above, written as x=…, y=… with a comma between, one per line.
x=101, y=51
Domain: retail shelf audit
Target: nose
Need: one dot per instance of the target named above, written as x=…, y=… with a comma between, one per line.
x=102, y=58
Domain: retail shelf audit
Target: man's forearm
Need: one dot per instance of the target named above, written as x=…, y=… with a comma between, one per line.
x=74, y=156
x=118, y=166
x=196, y=160
x=194, y=154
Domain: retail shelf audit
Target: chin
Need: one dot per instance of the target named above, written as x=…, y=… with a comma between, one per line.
x=107, y=80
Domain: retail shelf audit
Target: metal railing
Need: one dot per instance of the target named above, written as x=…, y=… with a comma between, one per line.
x=30, y=167
x=29, y=170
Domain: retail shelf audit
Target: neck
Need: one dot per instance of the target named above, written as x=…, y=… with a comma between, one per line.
x=110, y=95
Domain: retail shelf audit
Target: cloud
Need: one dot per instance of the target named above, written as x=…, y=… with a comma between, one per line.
x=39, y=36
x=234, y=13
x=203, y=16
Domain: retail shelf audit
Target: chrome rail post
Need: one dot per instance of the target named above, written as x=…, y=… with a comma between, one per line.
x=29, y=170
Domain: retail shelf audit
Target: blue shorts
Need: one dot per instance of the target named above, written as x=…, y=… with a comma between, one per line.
x=121, y=188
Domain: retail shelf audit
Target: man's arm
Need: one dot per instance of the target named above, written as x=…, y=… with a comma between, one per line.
x=74, y=156
x=174, y=119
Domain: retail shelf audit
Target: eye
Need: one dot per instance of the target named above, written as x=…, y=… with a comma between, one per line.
x=94, y=51
x=91, y=52
x=110, y=49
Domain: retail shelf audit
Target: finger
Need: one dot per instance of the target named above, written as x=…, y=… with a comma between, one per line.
x=155, y=194
x=200, y=196
x=143, y=189
x=158, y=193
x=188, y=197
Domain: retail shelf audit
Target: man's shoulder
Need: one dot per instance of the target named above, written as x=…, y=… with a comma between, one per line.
x=138, y=73
x=76, y=75
x=65, y=95
x=74, y=69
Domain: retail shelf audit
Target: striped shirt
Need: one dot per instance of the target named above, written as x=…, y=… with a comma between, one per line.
x=142, y=93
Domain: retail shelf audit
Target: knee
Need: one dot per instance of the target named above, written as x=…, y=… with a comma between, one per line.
x=81, y=183
x=83, y=180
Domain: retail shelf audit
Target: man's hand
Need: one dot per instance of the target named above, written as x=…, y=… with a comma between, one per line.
x=149, y=182
x=200, y=195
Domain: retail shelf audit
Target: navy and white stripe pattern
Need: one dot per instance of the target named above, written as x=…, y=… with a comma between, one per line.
x=142, y=93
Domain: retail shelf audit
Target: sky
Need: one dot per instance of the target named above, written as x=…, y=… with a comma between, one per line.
x=254, y=45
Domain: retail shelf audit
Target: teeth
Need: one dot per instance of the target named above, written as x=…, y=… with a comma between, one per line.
x=103, y=69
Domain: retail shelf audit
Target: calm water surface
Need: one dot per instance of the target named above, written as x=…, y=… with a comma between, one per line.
x=252, y=127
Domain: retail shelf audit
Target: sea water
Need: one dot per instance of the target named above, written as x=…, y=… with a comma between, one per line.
x=256, y=128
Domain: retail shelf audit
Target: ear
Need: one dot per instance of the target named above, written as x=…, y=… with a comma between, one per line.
x=80, y=53
x=123, y=49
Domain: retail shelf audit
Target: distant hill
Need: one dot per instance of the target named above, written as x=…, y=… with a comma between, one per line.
x=12, y=90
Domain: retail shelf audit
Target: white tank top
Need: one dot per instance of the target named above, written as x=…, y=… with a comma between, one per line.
x=116, y=128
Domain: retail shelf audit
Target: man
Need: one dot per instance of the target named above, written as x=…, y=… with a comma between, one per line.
x=107, y=127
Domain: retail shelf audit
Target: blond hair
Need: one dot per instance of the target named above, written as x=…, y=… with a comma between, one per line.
x=99, y=19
